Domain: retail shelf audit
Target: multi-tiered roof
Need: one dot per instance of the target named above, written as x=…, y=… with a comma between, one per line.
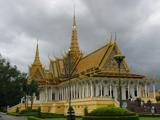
x=99, y=63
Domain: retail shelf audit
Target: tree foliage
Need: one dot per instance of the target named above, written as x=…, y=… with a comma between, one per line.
x=33, y=90
x=11, y=83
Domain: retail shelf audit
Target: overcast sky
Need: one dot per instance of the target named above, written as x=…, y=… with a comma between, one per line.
x=136, y=22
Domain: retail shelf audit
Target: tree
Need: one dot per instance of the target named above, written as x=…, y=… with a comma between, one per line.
x=33, y=91
x=11, y=81
x=25, y=89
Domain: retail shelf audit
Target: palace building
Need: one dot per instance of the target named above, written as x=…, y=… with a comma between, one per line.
x=91, y=80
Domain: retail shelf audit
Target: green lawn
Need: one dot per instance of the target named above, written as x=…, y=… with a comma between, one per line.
x=149, y=118
x=141, y=118
x=61, y=119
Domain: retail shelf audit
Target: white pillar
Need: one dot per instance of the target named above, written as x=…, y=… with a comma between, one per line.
x=123, y=92
x=87, y=92
x=128, y=90
x=105, y=91
x=110, y=90
x=145, y=90
x=91, y=89
x=83, y=90
x=115, y=92
x=154, y=91
x=97, y=90
x=137, y=90
x=101, y=88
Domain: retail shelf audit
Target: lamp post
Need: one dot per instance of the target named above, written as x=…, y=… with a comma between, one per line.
x=119, y=58
x=70, y=67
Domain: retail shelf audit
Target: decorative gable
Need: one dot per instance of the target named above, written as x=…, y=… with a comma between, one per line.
x=38, y=75
x=109, y=64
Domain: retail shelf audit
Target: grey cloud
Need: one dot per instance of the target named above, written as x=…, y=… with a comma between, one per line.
x=41, y=19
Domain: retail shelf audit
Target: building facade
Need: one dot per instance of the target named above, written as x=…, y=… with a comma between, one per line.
x=92, y=80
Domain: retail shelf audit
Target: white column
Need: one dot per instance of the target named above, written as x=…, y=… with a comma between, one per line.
x=137, y=90
x=145, y=90
x=91, y=90
x=148, y=89
x=83, y=90
x=115, y=92
x=62, y=93
x=79, y=91
x=101, y=88
x=74, y=91
x=154, y=91
x=128, y=90
x=110, y=90
x=87, y=92
x=123, y=92
x=97, y=90
x=105, y=91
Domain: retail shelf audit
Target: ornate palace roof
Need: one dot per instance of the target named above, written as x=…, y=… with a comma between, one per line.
x=99, y=63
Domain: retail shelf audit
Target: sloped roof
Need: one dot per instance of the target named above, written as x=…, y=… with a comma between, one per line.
x=93, y=59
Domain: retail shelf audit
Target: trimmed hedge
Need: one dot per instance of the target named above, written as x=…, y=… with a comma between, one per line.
x=51, y=115
x=111, y=111
x=13, y=114
x=39, y=115
x=149, y=115
x=110, y=118
x=33, y=118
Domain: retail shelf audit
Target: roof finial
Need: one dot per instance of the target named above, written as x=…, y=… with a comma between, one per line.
x=111, y=36
x=74, y=16
x=74, y=48
x=115, y=37
x=110, y=40
x=37, y=60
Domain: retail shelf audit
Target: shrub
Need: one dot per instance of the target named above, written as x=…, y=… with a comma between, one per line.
x=110, y=118
x=17, y=110
x=39, y=111
x=149, y=103
x=110, y=111
x=33, y=118
x=157, y=98
x=13, y=114
x=51, y=115
x=29, y=110
x=85, y=111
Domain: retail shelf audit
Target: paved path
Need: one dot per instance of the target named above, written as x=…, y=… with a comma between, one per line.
x=8, y=117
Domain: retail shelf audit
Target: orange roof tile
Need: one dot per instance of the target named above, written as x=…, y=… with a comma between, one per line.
x=93, y=59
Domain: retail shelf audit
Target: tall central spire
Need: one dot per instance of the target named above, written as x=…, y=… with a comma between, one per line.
x=74, y=48
x=37, y=59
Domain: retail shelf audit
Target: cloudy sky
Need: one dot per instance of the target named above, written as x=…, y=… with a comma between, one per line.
x=136, y=22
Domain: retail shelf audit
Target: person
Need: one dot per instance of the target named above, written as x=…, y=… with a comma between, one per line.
x=142, y=103
x=152, y=110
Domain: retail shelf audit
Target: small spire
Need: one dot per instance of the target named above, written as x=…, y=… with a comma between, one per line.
x=74, y=48
x=115, y=37
x=37, y=60
x=110, y=40
x=74, y=17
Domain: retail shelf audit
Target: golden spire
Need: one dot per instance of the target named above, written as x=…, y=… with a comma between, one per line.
x=74, y=48
x=110, y=39
x=36, y=59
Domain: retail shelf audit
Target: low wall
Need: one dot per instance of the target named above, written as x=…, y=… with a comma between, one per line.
x=61, y=107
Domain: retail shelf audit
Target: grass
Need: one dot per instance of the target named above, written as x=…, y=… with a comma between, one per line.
x=149, y=118
x=61, y=119
x=141, y=118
